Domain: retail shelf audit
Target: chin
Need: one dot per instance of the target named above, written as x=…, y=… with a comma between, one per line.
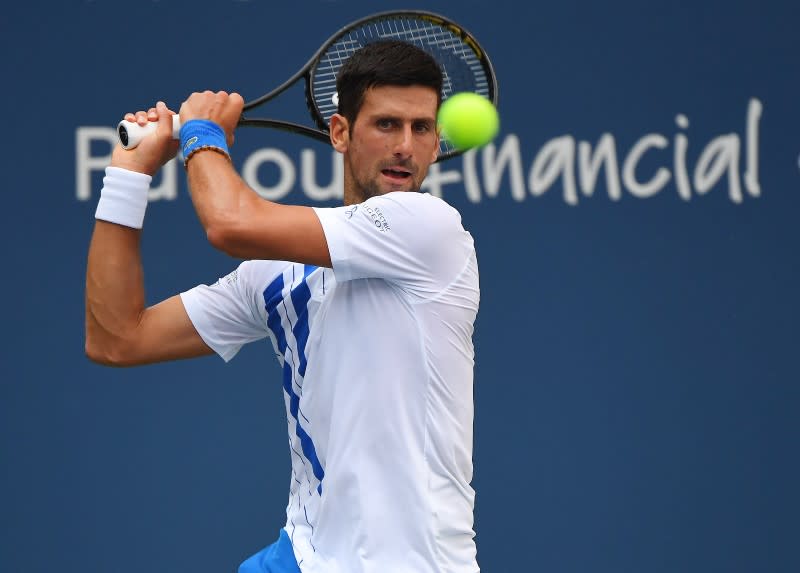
x=409, y=185
x=377, y=188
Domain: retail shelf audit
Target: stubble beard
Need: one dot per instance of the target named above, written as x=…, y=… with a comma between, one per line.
x=366, y=188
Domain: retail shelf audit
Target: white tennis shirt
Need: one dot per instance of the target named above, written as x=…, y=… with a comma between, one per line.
x=377, y=361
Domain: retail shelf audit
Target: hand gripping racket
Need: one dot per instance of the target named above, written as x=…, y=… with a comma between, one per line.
x=465, y=67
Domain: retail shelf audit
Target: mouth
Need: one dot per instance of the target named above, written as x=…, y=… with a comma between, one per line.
x=396, y=173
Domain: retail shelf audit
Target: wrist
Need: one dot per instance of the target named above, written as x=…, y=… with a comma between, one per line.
x=123, y=199
x=131, y=160
x=201, y=135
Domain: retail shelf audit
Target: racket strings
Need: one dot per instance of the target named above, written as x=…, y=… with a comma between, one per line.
x=462, y=68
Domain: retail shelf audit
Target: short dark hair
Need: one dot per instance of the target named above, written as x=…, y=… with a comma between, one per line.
x=385, y=63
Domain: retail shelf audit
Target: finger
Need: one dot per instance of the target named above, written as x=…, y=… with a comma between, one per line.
x=130, y=117
x=141, y=118
x=164, y=119
x=236, y=99
x=236, y=103
x=187, y=109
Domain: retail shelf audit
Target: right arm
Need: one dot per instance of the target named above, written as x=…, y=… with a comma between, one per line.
x=120, y=330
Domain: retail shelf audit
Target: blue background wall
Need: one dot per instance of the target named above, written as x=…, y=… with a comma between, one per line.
x=637, y=367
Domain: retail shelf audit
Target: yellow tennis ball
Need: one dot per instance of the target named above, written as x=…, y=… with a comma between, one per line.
x=468, y=120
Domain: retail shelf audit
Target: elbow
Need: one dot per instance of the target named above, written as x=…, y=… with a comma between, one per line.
x=225, y=237
x=236, y=231
x=243, y=231
x=218, y=236
x=107, y=354
x=96, y=354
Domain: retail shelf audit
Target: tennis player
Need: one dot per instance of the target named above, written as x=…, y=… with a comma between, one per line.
x=369, y=306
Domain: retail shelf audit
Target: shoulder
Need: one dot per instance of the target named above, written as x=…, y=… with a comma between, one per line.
x=415, y=209
x=414, y=200
x=426, y=226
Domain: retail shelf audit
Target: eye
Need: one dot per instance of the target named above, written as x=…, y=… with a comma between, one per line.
x=385, y=123
x=422, y=127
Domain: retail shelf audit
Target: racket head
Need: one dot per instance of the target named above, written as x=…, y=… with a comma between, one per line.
x=464, y=63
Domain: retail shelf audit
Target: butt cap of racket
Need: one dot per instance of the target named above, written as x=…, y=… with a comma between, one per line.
x=131, y=133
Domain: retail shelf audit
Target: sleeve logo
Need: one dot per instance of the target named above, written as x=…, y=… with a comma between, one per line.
x=377, y=218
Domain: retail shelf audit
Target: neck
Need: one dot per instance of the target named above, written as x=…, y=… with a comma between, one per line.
x=351, y=194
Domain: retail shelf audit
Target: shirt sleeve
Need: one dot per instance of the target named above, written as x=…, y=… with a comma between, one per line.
x=412, y=239
x=228, y=314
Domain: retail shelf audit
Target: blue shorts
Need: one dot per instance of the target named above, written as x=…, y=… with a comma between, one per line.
x=275, y=558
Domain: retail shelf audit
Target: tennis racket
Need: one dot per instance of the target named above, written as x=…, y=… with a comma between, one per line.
x=464, y=63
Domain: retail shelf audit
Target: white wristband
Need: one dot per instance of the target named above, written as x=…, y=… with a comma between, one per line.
x=123, y=199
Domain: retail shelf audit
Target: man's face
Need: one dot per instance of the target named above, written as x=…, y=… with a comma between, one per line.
x=392, y=143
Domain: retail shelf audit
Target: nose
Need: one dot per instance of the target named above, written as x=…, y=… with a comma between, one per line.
x=403, y=144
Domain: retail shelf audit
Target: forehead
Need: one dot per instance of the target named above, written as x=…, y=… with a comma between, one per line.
x=416, y=102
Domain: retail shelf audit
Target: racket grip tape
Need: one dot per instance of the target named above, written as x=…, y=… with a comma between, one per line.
x=130, y=133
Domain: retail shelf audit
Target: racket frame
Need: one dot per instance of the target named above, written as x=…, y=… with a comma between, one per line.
x=321, y=133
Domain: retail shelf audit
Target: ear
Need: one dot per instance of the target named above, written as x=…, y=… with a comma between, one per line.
x=340, y=133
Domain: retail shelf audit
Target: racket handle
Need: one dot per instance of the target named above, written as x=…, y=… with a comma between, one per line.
x=131, y=133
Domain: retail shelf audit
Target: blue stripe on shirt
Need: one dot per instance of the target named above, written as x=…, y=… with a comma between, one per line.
x=300, y=295
x=272, y=298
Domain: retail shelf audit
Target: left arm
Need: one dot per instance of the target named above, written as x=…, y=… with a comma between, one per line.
x=236, y=220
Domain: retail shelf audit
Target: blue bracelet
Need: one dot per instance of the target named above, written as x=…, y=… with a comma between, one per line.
x=199, y=134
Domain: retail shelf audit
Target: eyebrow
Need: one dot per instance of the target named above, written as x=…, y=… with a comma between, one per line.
x=398, y=118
